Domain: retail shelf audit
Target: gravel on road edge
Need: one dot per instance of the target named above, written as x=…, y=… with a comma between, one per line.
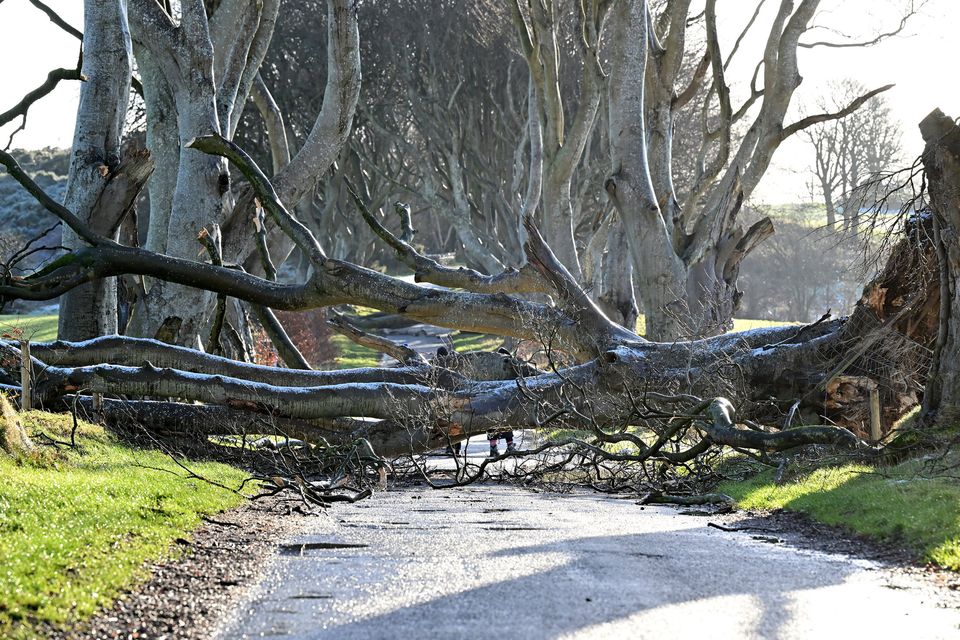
x=189, y=595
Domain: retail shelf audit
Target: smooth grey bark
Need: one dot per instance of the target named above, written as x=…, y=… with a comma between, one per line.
x=687, y=255
x=164, y=145
x=659, y=270
x=616, y=297
x=91, y=310
x=179, y=85
x=197, y=74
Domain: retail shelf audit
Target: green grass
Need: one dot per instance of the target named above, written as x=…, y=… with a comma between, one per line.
x=896, y=504
x=745, y=324
x=475, y=342
x=77, y=527
x=352, y=355
x=36, y=328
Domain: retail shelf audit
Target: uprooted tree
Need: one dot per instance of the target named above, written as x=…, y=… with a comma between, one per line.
x=671, y=402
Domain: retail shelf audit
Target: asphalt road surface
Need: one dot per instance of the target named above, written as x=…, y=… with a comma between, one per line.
x=497, y=561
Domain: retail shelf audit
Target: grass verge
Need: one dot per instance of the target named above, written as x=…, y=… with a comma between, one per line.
x=904, y=503
x=76, y=526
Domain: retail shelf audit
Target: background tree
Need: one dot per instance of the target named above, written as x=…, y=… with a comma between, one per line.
x=687, y=253
x=100, y=188
x=802, y=272
x=197, y=71
x=851, y=151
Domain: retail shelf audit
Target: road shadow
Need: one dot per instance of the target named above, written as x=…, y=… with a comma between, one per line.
x=593, y=581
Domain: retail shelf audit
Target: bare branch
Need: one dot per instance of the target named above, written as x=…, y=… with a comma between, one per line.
x=51, y=205
x=287, y=350
x=295, y=230
x=53, y=79
x=836, y=115
x=743, y=33
x=911, y=12
x=426, y=269
x=56, y=19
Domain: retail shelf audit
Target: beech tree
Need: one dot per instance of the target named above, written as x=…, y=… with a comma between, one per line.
x=197, y=71
x=687, y=247
x=598, y=375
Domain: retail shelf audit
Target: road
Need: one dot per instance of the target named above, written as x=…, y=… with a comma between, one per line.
x=486, y=561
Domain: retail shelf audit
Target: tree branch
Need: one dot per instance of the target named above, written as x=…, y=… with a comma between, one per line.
x=809, y=121
x=426, y=269
x=56, y=19
x=400, y=352
x=53, y=79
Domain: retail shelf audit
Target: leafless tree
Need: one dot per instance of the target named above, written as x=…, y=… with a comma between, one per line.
x=850, y=151
x=687, y=247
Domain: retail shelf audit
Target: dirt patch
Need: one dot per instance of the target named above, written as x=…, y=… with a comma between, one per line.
x=802, y=531
x=189, y=596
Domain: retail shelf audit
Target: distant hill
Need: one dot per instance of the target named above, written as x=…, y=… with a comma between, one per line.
x=22, y=218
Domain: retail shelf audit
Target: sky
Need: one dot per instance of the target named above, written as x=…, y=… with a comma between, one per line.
x=920, y=62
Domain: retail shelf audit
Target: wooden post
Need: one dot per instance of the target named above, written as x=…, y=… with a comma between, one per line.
x=97, y=402
x=875, y=415
x=26, y=391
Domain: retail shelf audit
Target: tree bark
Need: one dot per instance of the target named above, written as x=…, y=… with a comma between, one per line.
x=941, y=161
x=91, y=309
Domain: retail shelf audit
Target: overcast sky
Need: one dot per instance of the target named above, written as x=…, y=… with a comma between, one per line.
x=921, y=63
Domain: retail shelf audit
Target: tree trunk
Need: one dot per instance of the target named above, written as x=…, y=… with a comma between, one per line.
x=828, y=204
x=616, y=295
x=941, y=161
x=556, y=223
x=91, y=310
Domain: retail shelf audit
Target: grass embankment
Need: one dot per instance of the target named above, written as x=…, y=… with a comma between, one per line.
x=915, y=503
x=77, y=525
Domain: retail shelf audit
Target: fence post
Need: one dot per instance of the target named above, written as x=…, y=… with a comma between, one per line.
x=875, y=415
x=26, y=390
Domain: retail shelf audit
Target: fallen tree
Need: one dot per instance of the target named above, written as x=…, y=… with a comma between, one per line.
x=666, y=401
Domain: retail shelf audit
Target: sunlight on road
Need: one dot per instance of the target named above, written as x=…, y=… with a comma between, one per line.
x=487, y=560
